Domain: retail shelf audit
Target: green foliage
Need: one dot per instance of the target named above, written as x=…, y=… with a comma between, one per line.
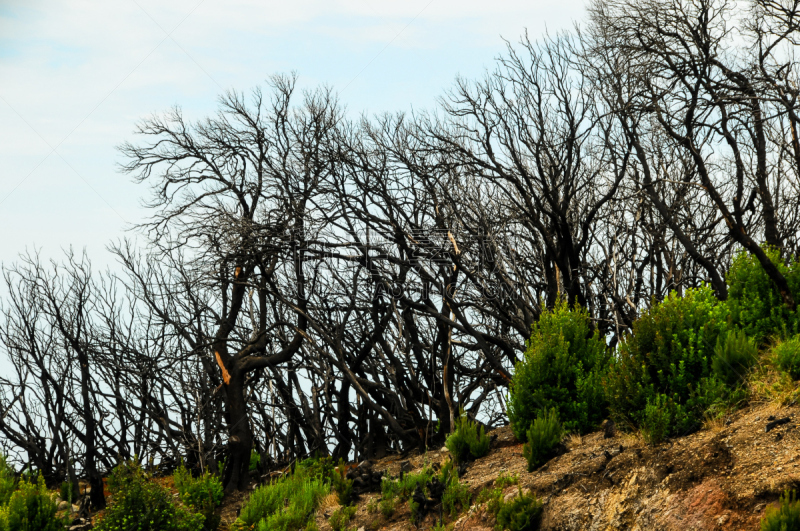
x=657, y=419
x=285, y=504
x=543, y=436
x=521, y=513
x=562, y=368
x=787, y=357
x=203, y=494
x=734, y=355
x=504, y=481
x=316, y=467
x=341, y=485
x=405, y=486
x=341, y=517
x=31, y=508
x=7, y=481
x=468, y=440
x=69, y=490
x=255, y=460
x=670, y=353
x=755, y=304
x=387, y=507
x=142, y=505
x=456, y=494
x=784, y=518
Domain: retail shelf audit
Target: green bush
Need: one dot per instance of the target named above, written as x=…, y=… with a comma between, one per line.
x=670, y=353
x=203, y=494
x=405, y=486
x=734, y=355
x=31, y=508
x=468, y=440
x=285, y=504
x=8, y=481
x=784, y=518
x=787, y=356
x=342, y=486
x=255, y=460
x=659, y=414
x=456, y=494
x=543, y=436
x=69, y=491
x=341, y=517
x=753, y=299
x=142, y=505
x=562, y=368
x=521, y=513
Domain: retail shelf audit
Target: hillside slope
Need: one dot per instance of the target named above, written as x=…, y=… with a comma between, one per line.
x=720, y=478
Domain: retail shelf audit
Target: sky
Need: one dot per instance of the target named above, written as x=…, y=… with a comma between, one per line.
x=76, y=76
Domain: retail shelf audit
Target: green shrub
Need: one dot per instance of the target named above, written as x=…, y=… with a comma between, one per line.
x=543, y=436
x=456, y=494
x=8, y=481
x=69, y=491
x=406, y=485
x=784, y=518
x=521, y=513
x=468, y=440
x=755, y=304
x=316, y=467
x=341, y=485
x=657, y=419
x=562, y=368
x=670, y=353
x=387, y=507
x=31, y=508
x=286, y=504
x=787, y=356
x=203, y=494
x=255, y=460
x=341, y=517
x=734, y=355
x=142, y=505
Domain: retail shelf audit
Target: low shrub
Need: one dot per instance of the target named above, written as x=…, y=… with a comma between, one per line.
x=734, y=355
x=342, y=486
x=562, y=368
x=669, y=352
x=543, y=436
x=456, y=494
x=468, y=441
x=255, y=460
x=285, y=504
x=784, y=518
x=203, y=494
x=658, y=416
x=142, y=505
x=8, y=481
x=69, y=491
x=341, y=517
x=522, y=513
x=31, y=508
x=754, y=301
x=787, y=357
x=406, y=485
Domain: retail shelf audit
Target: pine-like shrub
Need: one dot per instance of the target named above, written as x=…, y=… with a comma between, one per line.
x=784, y=518
x=342, y=486
x=31, y=508
x=468, y=441
x=755, y=304
x=7, y=481
x=543, y=436
x=659, y=415
x=341, y=517
x=286, y=504
x=139, y=504
x=203, y=494
x=670, y=353
x=562, y=368
x=734, y=355
x=787, y=357
x=522, y=513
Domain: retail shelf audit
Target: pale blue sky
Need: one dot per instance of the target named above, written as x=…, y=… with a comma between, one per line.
x=76, y=75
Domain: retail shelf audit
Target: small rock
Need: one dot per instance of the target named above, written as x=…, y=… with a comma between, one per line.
x=63, y=505
x=361, y=528
x=75, y=508
x=609, y=429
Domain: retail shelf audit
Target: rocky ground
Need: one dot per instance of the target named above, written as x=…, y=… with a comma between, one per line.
x=720, y=478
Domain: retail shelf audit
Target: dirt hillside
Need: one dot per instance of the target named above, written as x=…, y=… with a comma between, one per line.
x=720, y=478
